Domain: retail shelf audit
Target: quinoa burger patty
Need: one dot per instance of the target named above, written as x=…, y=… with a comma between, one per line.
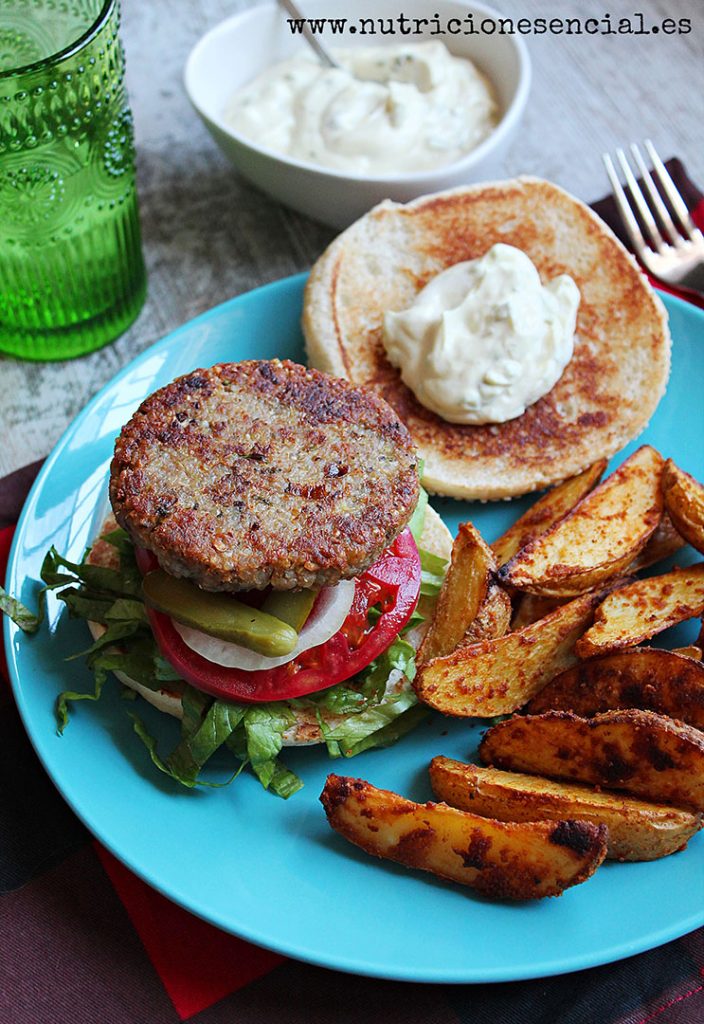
x=263, y=473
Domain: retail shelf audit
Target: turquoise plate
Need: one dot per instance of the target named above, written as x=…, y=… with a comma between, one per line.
x=272, y=871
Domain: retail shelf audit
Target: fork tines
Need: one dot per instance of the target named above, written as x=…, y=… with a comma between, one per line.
x=656, y=210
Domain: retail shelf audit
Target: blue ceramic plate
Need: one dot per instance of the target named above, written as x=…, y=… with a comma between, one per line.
x=272, y=871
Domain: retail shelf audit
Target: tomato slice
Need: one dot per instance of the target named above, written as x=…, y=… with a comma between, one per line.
x=391, y=586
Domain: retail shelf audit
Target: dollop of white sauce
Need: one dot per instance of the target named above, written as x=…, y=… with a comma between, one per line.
x=485, y=339
x=387, y=110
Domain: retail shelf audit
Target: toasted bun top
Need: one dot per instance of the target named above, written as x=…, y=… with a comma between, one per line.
x=608, y=391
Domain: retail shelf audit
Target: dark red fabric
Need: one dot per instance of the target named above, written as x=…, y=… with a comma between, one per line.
x=197, y=964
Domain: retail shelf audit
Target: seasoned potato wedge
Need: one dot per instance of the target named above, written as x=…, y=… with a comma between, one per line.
x=546, y=511
x=645, y=677
x=664, y=541
x=600, y=537
x=637, y=830
x=640, y=752
x=494, y=677
x=502, y=860
x=532, y=607
x=689, y=652
x=493, y=618
x=684, y=500
x=462, y=594
x=640, y=610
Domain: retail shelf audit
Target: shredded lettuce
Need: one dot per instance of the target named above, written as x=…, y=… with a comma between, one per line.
x=354, y=716
x=28, y=621
x=417, y=520
x=433, y=569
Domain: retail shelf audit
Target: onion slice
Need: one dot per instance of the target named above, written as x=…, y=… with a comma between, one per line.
x=329, y=612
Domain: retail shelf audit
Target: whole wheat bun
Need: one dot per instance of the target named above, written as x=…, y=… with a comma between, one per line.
x=305, y=730
x=608, y=391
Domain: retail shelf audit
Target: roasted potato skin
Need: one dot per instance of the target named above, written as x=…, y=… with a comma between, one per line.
x=643, y=677
x=599, y=538
x=532, y=608
x=684, y=500
x=640, y=610
x=546, y=512
x=493, y=618
x=640, y=752
x=663, y=542
x=691, y=651
x=495, y=677
x=512, y=861
x=462, y=594
x=637, y=830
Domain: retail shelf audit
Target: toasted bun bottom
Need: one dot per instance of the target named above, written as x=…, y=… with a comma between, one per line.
x=607, y=392
x=305, y=729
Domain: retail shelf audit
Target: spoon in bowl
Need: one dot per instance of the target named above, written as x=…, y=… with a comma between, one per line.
x=309, y=37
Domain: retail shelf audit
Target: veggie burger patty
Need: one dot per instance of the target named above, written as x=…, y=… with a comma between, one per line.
x=264, y=473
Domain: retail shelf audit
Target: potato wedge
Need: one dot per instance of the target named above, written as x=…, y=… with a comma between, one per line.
x=645, y=677
x=493, y=618
x=599, y=538
x=642, y=609
x=462, y=594
x=546, y=511
x=664, y=541
x=494, y=677
x=639, y=752
x=689, y=652
x=637, y=830
x=501, y=860
x=684, y=501
x=532, y=608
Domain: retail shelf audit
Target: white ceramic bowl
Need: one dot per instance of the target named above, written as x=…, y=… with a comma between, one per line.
x=236, y=50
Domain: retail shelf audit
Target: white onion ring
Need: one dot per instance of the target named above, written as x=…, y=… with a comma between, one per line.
x=329, y=612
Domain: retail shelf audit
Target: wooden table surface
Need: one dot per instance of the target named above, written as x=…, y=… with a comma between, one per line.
x=209, y=236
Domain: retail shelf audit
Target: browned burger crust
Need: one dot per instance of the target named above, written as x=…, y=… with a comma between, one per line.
x=263, y=473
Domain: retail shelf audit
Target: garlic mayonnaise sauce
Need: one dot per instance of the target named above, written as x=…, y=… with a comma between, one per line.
x=485, y=338
x=387, y=110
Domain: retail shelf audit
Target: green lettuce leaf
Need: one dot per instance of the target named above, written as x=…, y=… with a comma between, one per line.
x=417, y=520
x=209, y=734
x=97, y=578
x=28, y=621
x=81, y=606
x=264, y=726
x=165, y=766
x=390, y=733
x=433, y=569
x=252, y=733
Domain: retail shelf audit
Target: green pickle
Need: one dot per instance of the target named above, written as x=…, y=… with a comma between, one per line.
x=219, y=615
x=291, y=606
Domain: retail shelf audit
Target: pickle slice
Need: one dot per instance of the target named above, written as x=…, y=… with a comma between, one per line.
x=219, y=615
x=291, y=606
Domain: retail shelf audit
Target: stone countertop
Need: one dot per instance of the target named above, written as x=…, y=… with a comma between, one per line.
x=209, y=235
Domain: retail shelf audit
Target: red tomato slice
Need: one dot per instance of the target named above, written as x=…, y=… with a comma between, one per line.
x=392, y=585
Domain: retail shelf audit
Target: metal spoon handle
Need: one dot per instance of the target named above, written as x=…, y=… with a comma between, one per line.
x=289, y=6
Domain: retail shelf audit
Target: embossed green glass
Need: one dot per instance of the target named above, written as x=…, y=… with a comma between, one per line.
x=71, y=270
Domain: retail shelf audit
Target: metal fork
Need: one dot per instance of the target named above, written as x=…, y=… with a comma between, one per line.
x=679, y=261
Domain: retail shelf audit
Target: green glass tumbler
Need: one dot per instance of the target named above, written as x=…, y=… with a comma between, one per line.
x=71, y=270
